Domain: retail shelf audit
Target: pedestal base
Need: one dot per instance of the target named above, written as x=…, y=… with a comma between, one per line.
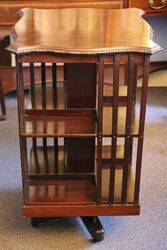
x=92, y=224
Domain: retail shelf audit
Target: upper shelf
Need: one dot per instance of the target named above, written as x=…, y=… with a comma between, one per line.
x=82, y=31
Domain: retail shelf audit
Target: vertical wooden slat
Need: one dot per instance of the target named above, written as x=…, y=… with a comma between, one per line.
x=45, y=152
x=43, y=83
x=114, y=126
x=54, y=87
x=100, y=127
x=23, y=148
x=32, y=91
x=141, y=126
x=34, y=143
x=128, y=127
x=54, y=84
x=32, y=86
x=135, y=82
x=55, y=155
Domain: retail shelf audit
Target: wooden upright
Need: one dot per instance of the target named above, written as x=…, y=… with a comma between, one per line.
x=77, y=137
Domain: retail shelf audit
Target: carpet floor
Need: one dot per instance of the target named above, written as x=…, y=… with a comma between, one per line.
x=147, y=231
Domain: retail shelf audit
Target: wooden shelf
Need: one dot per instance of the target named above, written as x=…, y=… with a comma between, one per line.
x=59, y=126
x=69, y=191
x=62, y=191
x=85, y=124
x=54, y=98
x=45, y=186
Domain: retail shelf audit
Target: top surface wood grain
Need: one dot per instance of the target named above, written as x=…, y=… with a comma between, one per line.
x=82, y=31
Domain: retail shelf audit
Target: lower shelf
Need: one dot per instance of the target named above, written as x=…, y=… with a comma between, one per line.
x=62, y=191
x=81, y=191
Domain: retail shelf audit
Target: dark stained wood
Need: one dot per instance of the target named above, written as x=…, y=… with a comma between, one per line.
x=141, y=127
x=83, y=161
x=86, y=180
x=94, y=227
x=36, y=167
x=37, y=161
x=100, y=127
x=129, y=111
x=80, y=84
x=5, y=57
x=114, y=126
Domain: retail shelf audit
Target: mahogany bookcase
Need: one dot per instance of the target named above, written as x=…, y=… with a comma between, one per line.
x=81, y=139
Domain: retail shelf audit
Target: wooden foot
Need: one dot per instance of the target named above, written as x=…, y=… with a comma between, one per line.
x=92, y=224
x=94, y=227
x=36, y=221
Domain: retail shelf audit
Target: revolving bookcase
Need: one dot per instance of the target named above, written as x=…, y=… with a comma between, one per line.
x=81, y=139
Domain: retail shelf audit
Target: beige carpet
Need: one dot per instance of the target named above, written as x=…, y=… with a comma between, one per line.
x=147, y=231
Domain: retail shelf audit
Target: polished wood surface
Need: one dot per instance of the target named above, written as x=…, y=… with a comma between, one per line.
x=50, y=210
x=12, y=4
x=81, y=173
x=116, y=31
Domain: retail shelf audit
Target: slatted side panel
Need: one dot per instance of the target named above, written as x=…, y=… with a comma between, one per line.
x=141, y=126
x=128, y=127
x=32, y=96
x=41, y=102
x=114, y=126
x=120, y=177
x=23, y=144
x=100, y=127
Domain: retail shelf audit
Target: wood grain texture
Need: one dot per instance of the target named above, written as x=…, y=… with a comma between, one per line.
x=120, y=30
x=79, y=210
x=12, y=4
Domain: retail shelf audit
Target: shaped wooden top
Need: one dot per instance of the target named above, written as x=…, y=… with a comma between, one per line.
x=82, y=31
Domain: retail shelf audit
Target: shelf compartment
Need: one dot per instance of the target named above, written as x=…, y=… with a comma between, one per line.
x=59, y=164
x=76, y=125
x=69, y=191
x=62, y=191
x=60, y=95
x=55, y=98
x=107, y=122
x=59, y=126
